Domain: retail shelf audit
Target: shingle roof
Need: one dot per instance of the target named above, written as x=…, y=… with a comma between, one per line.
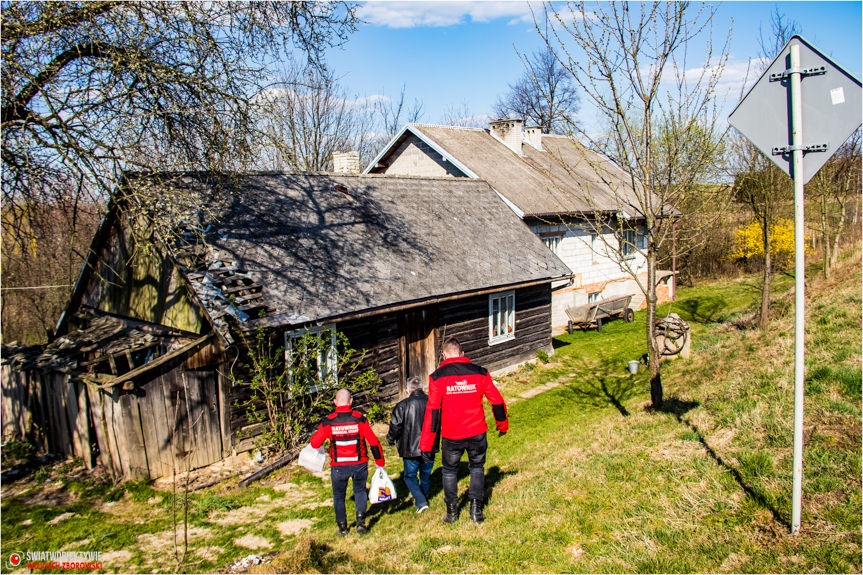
x=565, y=177
x=321, y=246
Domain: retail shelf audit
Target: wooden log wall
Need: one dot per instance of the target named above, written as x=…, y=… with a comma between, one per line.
x=378, y=335
x=467, y=320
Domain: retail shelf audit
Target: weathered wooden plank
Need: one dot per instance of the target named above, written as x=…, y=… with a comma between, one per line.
x=95, y=397
x=70, y=401
x=170, y=449
x=116, y=431
x=16, y=416
x=197, y=413
x=178, y=416
x=154, y=426
x=38, y=408
x=135, y=450
x=209, y=395
x=60, y=425
x=224, y=412
x=82, y=424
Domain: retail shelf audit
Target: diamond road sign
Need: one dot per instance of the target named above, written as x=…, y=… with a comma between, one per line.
x=832, y=107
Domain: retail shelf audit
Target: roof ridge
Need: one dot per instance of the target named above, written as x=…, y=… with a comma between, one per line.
x=466, y=128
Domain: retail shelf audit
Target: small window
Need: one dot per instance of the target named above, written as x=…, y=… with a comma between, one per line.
x=501, y=317
x=628, y=243
x=594, y=257
x=312, y=353
x=553, y=243
x=593, y=296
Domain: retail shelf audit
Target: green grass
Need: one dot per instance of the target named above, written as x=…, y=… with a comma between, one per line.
x=588, y=479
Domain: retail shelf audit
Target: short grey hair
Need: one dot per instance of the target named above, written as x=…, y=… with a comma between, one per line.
x=414, y=384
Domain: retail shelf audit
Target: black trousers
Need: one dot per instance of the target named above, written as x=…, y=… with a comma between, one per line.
x=451, y=452
x=339, y=476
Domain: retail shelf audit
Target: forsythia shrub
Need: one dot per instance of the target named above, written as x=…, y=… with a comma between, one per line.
x=748, y=242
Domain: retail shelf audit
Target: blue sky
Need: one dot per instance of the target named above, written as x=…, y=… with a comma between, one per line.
x=458, y=57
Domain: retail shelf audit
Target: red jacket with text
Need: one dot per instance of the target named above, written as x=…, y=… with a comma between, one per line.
x=348, y=432
x=454, y=408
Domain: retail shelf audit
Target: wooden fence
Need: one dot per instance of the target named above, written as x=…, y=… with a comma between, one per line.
x=174, y=422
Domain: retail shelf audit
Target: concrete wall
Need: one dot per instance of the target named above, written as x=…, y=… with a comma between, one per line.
x=586, y=254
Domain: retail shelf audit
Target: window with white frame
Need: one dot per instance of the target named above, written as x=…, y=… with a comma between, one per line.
x=593, y=296
x=553, y=243
x=501, y=317
x=312, y=352
x=594, y=256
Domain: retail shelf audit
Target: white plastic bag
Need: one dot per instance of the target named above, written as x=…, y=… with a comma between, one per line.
x=382, y=488
x=312, y=459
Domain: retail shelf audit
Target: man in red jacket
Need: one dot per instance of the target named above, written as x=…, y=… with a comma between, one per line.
x=455, y=411
x=348, y=432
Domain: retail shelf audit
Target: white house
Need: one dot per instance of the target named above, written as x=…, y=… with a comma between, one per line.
x=576, y=201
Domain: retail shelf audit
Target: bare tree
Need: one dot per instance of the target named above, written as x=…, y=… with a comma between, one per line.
x=306, y=118
x=460, y=115
x=544, y=96
x=767, y=192
x=631, y=62
x=835, y=188
x=759, y=185
x=93, y=89
x=393, y=114
x=389, y=115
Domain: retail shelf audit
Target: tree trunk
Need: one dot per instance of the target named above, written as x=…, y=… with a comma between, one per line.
x=840, y=227
x=825, y=232
x=765, y=292
x=653, y=356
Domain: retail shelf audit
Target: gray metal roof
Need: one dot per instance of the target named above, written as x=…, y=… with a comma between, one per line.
x=322, y=246
x=564, y=177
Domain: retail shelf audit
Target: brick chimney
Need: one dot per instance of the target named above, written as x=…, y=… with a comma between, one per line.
x=509, y=132
x=346, y=162
x=533, y=136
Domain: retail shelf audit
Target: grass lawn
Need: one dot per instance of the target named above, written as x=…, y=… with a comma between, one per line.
x=587, y=480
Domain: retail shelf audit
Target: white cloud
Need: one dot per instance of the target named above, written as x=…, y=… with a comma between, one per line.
x=438, y=14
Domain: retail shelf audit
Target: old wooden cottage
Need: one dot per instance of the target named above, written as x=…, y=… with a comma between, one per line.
x=397, y=264
x=579, y=204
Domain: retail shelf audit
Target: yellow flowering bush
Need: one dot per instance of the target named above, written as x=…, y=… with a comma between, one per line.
x=748, y=242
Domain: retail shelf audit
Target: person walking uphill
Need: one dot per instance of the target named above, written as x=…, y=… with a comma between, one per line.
x=348, y=432
x=455, y=412
x=406, y=425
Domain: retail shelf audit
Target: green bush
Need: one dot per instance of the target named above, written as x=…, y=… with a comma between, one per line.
x=542, y=355
x=376, y=413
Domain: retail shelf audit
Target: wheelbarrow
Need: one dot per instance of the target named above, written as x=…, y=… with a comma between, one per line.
x=593, y=314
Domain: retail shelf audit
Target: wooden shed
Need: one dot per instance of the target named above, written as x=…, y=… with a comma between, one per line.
x=396, y=264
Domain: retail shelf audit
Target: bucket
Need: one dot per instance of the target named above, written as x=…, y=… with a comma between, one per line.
x=633, y=366
x=312, y=459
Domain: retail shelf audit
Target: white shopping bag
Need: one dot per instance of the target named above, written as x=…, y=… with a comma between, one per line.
x=382, y=488
x=313, y=459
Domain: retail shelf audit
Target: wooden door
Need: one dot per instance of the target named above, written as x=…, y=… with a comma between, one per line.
x=419, y=350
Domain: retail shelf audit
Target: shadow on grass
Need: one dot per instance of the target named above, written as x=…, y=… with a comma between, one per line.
x=603, y=385
x=705, y=309
x=679, y=408
x=375, y=512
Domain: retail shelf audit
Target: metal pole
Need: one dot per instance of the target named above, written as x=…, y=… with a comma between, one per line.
x=799, y=285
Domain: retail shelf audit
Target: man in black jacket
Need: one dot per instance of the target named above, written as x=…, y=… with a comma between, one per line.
x=406, y=425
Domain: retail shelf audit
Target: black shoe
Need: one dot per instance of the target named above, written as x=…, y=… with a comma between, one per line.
x=476, y=514
x=343, y=527
x=451, y=513
x=361, y=524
